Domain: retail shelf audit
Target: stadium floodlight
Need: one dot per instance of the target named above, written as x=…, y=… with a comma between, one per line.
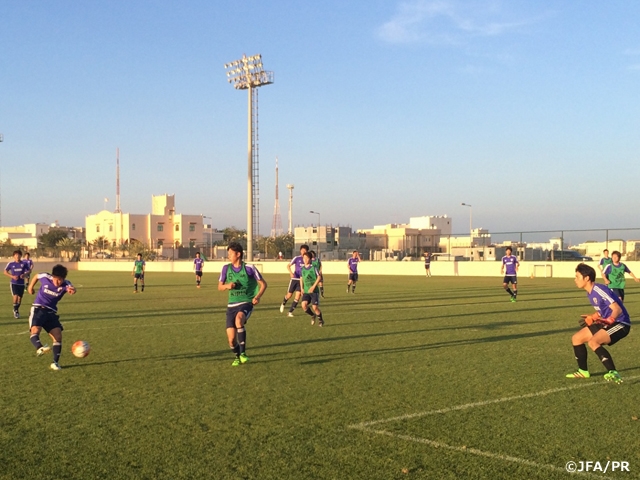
x=246, y=74
x=470, y=223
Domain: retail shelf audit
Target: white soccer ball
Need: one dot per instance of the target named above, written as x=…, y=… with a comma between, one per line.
x=80, y=349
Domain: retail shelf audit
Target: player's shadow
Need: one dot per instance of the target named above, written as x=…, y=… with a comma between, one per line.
x=219, y=353
x=178, y=312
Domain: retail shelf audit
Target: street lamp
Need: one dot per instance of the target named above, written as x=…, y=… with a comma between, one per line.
x=247, y=74
x=470, y=223
x=316, y=213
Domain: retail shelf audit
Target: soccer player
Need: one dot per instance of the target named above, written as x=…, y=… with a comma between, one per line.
x=245, y=286
x=609, y=324
x=310, y=279
x=44, y=312
x=604, y=261
x=315, y=261
x=139, y=267
x=613, y=275
x=198, y=263
x=15, y=271
x=294, y=281
x=352, y=267
x=427, y=263
x=511, y=264
x=28, y=267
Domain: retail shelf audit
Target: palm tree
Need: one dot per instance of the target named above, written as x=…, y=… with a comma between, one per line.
x=101, y=243
x=124, y=248
x=68, y=245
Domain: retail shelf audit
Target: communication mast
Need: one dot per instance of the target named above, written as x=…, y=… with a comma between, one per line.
x=276, y=225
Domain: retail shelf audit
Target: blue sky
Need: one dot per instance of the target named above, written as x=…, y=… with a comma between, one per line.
x=380, y=110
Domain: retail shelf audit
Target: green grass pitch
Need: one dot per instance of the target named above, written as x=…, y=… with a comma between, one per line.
x=157, y=397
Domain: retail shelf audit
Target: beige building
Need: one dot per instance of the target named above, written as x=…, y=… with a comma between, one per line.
x=330, y=243
x=162, y=228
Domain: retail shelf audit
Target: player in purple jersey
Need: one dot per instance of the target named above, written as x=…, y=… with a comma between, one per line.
x=198, y=265
x=427, y=263
x=28, y=266
x=294, y=281
x=15, y=271
x=44, y=312
x=609, y=324
x=509, y=268
x=352, y=267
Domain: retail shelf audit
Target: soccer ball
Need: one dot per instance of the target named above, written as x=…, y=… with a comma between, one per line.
x=80, y=349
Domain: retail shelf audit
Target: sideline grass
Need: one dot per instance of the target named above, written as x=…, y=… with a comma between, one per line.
x=158, y=399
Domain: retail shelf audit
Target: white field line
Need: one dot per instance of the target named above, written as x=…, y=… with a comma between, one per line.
x=583, y=384
x=474, y=451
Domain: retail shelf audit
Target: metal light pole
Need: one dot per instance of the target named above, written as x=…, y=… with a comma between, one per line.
x=247, y=74
x=316, y=213
x=290, y=187
x=470, y=223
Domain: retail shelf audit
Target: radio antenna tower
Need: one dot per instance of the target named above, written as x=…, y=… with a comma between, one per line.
x=276, y=225
x=290, y=187
x=118, y=181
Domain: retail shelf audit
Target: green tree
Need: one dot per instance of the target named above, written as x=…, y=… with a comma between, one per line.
x=52, y=237
x=70, y=246
x=232, y=234
x=101, y=243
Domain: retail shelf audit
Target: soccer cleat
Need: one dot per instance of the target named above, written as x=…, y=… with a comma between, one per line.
x=348, y=290
x=512, y=299
x=236, y=362
x=243, y=358
x=290, y=314
x=42, y=350
x=16, y=314
x=613, y=376
x=281, y=307
x=321, y=323
x=55, y=366
x=313, y=320
x=579, y=374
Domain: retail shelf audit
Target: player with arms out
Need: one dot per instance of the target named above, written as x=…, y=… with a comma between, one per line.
x=15, y=271
x=509, y=268
x=198, y=265
x=245, y=286
x=44, y=312
x=28, y=267
x=309, y=280
x=139, y=267
x=609, y=324
x=613, y=275
x=352, y=268
x=294, y=281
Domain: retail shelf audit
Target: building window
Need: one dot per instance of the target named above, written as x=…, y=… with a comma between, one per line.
x=98, y=228
x=160, y=227
x=192, y=227
x=192, y=242
x=160, y=242
x=133, y=226
x=111, y=228
x=177, y=227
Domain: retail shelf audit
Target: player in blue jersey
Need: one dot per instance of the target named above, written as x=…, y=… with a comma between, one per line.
x=28, y=267
x=352, y=268
x=15, y=271
x=44, y=312
x=509, y=268
x=310, y=278
x=294, y=281
x=198, y=265
x=245, y=286
x=609, y=324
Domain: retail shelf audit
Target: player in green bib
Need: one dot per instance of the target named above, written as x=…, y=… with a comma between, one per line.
x=138, y=272
x=613, y=275
x=318, y=264
x=604, y=261
x=245, y=286
x=310, y=278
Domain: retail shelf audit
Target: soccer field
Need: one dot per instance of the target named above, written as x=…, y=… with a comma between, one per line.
x=439, y=378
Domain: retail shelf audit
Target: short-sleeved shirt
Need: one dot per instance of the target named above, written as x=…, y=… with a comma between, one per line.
x=615, y=274
x=510, y=263
x=49, y=295
x=28, y=265
x=199, y=263
x=16, y=269
x=353, y=264
x=238, y=276
x=139, y=266
x=601, y=297
x=427, y=260
x=309, y=276
x=605, y=261
x=297, y=262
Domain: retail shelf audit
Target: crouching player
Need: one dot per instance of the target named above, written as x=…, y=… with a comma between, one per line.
x=245, y=286
x=609, y=324
x=309, y=279
x=44, y=312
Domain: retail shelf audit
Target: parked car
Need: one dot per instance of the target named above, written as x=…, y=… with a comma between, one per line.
x=568, y=256
x=103, y=255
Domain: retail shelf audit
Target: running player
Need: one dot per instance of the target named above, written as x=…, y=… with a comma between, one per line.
x=139, y=267
x=245, y=286
x=198, y=264
x=511, y=264
x=427, y=263
x=15, y=271
x=352, y=267
x=315, y=261
x=609, y=324
x=28, y=267
x=294, y=281
x=44, y=312
x=310, y=278
x=613, y=275
x=604, y=261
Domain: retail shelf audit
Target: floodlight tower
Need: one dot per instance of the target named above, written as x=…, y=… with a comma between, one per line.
x=276, y=225
x=290, y=187
x=247, y=74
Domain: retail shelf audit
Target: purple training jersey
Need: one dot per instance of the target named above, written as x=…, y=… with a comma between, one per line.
x=199, y=263
x=251, y=272
x=298, y=262
x=353, y=264
x=28, y=265
x=49, y=295
x=16, y=269
x=601, y=298
x=510, y=262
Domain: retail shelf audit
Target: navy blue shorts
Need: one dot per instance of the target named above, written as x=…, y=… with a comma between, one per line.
x=17, y=290
x=45, y=318
x=139, y=276
x=619, y=292
x=294, y=285
x=353, y=277
x=510, y=279
x=198, y=273
x=311, y=298
x=617, y=331
x=232, y=312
